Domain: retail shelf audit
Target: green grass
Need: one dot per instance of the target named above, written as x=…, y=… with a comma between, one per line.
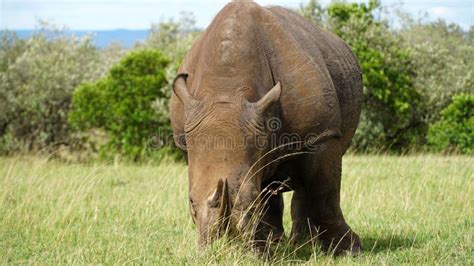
x=414, y=209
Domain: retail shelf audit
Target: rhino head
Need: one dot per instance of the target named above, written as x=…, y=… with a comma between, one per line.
x=226, y=143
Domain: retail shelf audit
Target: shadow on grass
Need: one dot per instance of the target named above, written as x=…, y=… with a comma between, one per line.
x=388, y=243
x=287, y=252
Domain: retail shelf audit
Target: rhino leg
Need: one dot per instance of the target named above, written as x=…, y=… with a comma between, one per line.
x=270, y=227
x=302, y=229
x=316, y=212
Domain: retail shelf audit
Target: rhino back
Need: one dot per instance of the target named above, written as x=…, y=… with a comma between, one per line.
x=254, y=47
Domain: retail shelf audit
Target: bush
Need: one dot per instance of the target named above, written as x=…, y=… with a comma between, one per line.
x=37, y=77
x=389, y=119
x=443, y=59
x=121, y=104
x=455, y=130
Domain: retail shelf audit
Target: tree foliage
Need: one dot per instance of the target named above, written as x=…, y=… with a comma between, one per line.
x=455, y=129
x=37, y=77
x=312, y=11
x=173, y=39
x=121, y=104
x=390, y=98
x=410, y=75
x=443, y=61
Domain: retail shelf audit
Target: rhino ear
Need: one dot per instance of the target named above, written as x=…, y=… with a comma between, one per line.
x=181, y=89
x=272, y=97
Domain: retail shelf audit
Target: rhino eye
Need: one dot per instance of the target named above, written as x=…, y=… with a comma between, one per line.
x=182, y=140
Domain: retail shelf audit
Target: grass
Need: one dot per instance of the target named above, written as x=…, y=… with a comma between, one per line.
x=414, y=209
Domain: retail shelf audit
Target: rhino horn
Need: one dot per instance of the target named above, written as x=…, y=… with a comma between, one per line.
x=221, y=199
x=226, y=203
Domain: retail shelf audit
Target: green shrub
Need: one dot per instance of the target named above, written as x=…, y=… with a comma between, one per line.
x=390, y=100
x=443, y=60
x=121, y=105
x=455, y=130
x=37, y=78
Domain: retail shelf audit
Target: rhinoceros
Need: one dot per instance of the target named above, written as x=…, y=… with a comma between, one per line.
x=267, y=102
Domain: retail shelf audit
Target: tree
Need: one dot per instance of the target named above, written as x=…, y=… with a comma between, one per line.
x=390, y=116
x=11, y=47
x=443, y=58
x=174, y=39
x=38, y=76
x=120, y=104
x=313, y=11
x=455, y=129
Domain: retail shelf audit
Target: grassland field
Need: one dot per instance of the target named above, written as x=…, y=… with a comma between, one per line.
x=412, y=209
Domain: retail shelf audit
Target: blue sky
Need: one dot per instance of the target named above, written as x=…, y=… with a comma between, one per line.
x=139, y=14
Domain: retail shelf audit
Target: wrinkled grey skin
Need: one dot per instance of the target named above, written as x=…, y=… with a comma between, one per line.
x=251, y=67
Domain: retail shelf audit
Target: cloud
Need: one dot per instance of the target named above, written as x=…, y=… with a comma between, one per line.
x=440, y=10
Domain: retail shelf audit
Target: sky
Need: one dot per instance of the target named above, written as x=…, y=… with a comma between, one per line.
x=140, y=14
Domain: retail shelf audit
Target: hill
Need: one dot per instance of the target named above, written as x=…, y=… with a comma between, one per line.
x=102, y=38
